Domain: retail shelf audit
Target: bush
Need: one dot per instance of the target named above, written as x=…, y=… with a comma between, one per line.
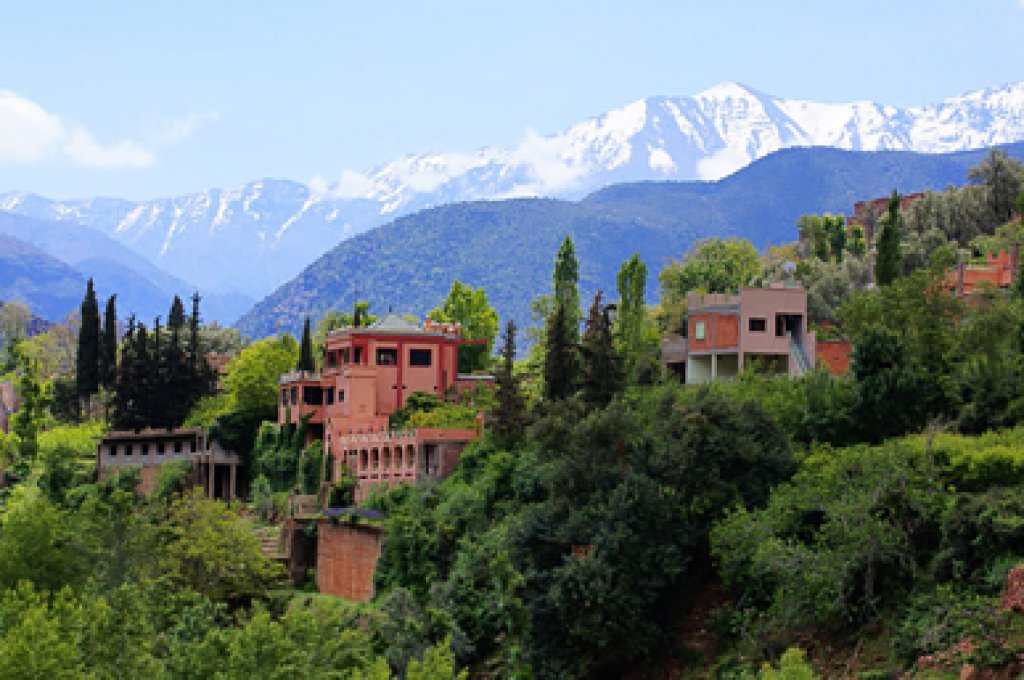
x=936, y=622
x=173, y=478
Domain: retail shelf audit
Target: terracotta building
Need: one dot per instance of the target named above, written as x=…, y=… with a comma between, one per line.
x=762, y=327
x=1000, y=271
x=368, y=374
x=213, y=468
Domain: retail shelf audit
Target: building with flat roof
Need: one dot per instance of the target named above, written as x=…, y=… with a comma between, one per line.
x=368, y=373
x=213, y=468
x=764, y=328
x=999, y=272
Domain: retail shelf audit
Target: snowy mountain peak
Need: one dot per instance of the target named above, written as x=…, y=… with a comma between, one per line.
x=255, y=236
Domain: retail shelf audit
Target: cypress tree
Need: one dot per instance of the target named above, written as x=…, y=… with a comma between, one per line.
x=889, y=261
x=600, y=374
x=179, y=379
x=161, y=377
x=108, y=345
x=306, y=362
x=124, y=385
x=142, y=406
x=567, y=296
x=510, y=414
x=560, y=362
x=87, y=364
x=632, y=284
x=176, y=317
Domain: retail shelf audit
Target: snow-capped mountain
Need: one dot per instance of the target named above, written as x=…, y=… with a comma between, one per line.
x=252, y=238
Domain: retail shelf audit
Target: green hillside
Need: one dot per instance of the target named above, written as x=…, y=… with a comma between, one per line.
x=47, y=285
x=507, y=246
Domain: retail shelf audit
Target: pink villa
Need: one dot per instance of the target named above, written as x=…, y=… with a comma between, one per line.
x=762, y=327
x=368, y=374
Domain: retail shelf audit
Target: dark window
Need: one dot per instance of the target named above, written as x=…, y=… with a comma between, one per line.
x=358, y=355
x=419, y=357
x=160, y=448
x=387, y=357
x=757, y=325
x=284, y=397
x=332, y=358
x=177, y=447
x=112, y=449
x=344, y=356
x=341, y=396
x=192, y=446
x=295, y=396
x=145, y=449
x=329, y=393
x=312, y=395
x=127, y=449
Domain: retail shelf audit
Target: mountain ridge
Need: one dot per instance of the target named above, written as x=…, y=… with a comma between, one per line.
x=273, y=228
x=508, y=247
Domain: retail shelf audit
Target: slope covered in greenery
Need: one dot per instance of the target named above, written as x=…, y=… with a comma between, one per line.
x=27, y=274
x=506, y=246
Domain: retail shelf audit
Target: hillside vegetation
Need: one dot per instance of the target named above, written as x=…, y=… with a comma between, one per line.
x=505, y=246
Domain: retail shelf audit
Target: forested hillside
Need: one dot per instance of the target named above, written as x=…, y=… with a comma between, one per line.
x=505, y=246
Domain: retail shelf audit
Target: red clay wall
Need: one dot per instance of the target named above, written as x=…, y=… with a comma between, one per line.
x=835, y=354
x=346, y=557
x=721, y=331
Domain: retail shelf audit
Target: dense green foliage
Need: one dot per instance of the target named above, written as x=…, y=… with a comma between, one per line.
x=479, y=321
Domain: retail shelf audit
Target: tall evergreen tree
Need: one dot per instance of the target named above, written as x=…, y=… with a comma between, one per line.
x=87, y=364
x=306, y=362
x=561, y=367
x=144, y=371
x=567, y=295
x=600, y=373
x=889, y=260
x=27, y=419
x=632, y=284
x=509, y=416
x=108, y=345
x=176, y=317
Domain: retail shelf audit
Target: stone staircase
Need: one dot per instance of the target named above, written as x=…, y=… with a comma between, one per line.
x=270, y=542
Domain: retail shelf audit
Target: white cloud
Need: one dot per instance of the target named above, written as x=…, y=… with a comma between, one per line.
x=350, y=185
x=28, y=133
x=82, y=149
x=548, y=165
x=174, y=130
x=31, y=134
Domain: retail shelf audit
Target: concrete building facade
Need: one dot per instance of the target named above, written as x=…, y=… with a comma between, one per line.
x=762, y=328
x=213, y=468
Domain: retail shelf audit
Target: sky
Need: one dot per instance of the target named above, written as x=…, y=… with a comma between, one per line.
x=150, y=99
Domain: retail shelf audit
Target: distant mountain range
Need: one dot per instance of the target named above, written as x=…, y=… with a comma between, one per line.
x=253, y=238
x=54, y=259
x=508, y=247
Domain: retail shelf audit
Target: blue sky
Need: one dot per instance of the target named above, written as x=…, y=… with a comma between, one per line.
x=146, y=99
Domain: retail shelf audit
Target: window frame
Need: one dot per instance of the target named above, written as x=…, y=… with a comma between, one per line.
x=414, y=351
